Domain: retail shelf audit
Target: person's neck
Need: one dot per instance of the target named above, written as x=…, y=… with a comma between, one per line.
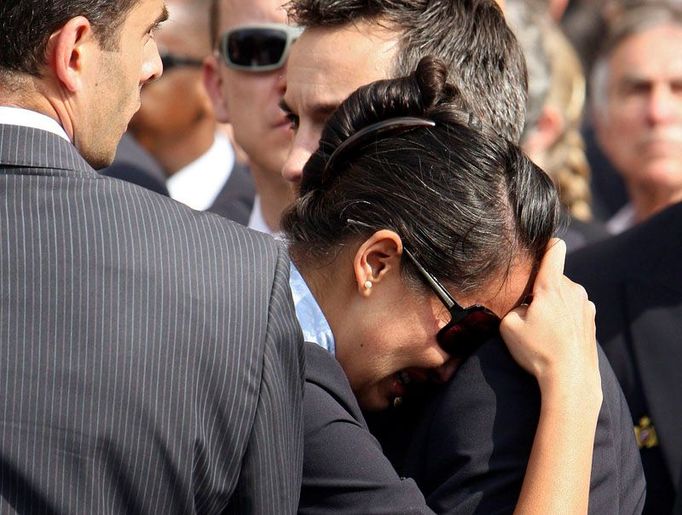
x=33, y=96
x=649, y=201
x=275, y=195
x=176, y=151
x=318, y=280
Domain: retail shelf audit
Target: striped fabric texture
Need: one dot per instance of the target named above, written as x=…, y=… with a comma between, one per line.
x=150, y=359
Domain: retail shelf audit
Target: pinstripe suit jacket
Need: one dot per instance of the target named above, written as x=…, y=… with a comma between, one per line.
x=150, y=360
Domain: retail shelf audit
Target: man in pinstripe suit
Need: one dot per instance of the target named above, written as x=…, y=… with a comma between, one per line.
x=150, y=360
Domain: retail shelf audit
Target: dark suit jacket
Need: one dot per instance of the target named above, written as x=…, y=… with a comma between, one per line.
x=134, y=164
x=578, y=234
x=344, y=469
x=471, y=440
x=235, y=200
x=150, y=359
x=635, y=280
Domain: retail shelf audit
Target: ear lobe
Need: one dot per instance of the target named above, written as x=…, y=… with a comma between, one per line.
x=375, y=259
x=213, y=83
x=68, y=48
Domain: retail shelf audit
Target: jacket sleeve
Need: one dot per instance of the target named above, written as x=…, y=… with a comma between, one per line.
x=478, y=436
x=270, y=479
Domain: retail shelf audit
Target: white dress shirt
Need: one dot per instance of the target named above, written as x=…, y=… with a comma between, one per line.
x=26, y=118
x=199, y=183
x=622, y=220
x=257, y=220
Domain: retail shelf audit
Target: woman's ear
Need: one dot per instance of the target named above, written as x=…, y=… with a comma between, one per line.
x=378, y=256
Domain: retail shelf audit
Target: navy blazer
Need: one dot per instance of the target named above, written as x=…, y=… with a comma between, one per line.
x=467, y=443
x=133, y=164
x=235, y=200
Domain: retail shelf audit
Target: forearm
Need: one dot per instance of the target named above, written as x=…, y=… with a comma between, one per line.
x=557, y=479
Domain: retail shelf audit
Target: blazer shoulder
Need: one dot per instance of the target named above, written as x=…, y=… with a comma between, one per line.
x=344, y=469
x=324, y=372
x=236, y=198
x=649, y=247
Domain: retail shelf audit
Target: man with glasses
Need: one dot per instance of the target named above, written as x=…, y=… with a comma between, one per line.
x=176, y=124
x=245, y=79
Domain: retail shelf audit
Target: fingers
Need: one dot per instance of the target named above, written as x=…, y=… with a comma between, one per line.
x=554, y=335
x=552, y=265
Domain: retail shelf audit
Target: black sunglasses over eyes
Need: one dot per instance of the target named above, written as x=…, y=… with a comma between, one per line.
x=468, y=327
x=259, y=47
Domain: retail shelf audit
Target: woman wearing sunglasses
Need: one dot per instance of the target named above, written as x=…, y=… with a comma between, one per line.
x=416, y=233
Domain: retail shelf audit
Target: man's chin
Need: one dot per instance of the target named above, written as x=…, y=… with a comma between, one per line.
x=663, y=171
x=100, y=159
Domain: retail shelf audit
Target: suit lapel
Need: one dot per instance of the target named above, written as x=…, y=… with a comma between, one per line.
x=655, y=311
x=235, y=200
x=27, y=147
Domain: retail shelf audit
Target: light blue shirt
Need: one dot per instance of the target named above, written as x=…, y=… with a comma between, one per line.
x=313, y=323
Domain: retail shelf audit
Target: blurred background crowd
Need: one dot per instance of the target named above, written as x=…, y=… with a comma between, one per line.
x=604, y=81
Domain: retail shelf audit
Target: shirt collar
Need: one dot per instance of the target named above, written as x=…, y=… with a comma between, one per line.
x=26, y=118
x=622, y=220
x=310, y=317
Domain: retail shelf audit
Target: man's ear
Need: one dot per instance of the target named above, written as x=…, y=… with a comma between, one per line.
x=214, y=85
x=548, y=130
x=376, y=258
x=68, y=49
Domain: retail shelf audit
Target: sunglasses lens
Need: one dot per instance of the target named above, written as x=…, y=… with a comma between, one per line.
x=256, y=47
x=459, y=339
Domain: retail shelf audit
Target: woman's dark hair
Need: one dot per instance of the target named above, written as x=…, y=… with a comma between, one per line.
x=465, y=201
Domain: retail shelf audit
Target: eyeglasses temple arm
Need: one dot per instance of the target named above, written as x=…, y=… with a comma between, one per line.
x=438, y=288
x=442, y=293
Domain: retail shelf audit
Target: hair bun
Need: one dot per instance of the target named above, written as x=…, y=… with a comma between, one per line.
x=431, y=79
x=425, y=93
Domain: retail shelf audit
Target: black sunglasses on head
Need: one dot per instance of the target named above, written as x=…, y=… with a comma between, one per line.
x=258, y=47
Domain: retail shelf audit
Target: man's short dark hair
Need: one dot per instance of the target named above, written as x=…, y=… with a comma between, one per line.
x=485, y=61
x=26, y=27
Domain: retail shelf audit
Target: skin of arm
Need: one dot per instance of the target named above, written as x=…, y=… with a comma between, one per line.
x=554, y=338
